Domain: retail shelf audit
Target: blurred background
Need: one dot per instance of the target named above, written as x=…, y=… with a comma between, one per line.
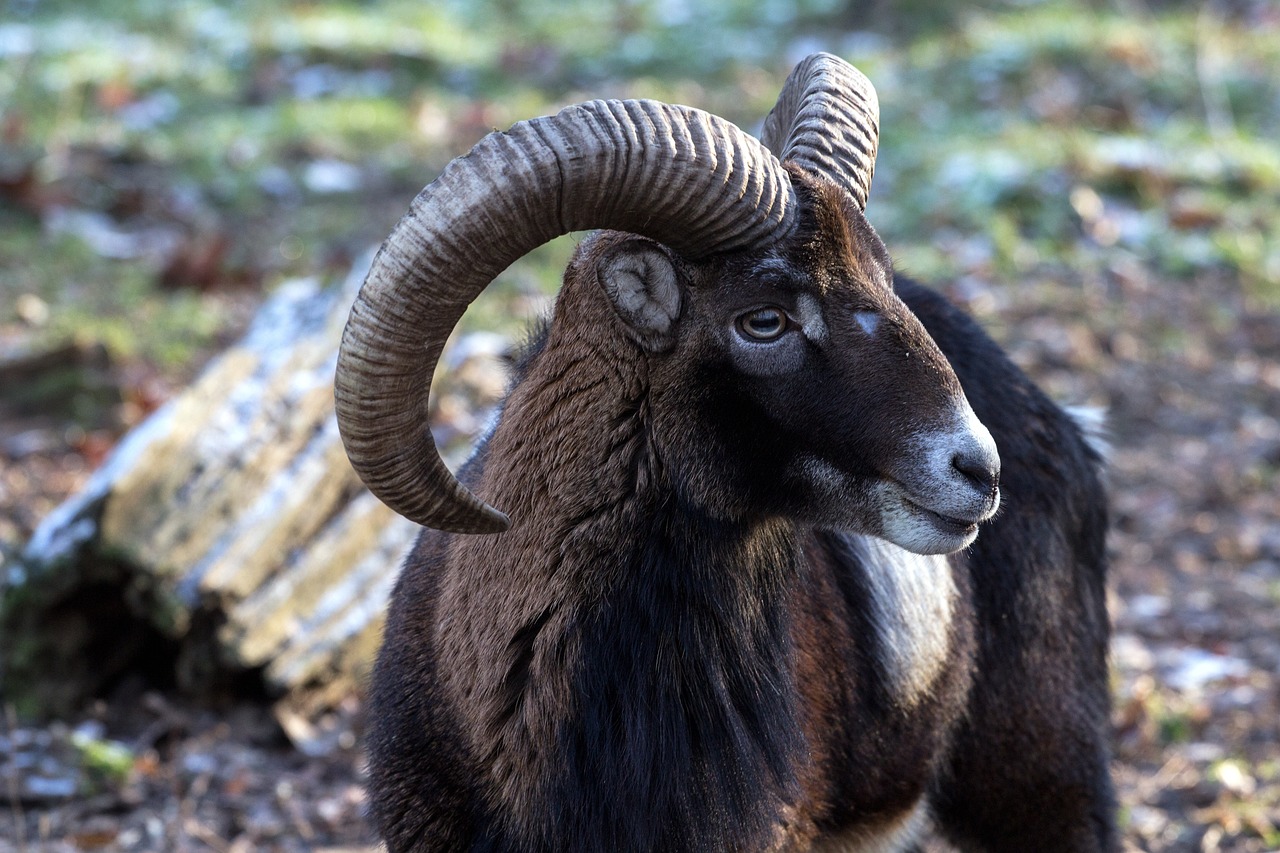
x=1097, y=182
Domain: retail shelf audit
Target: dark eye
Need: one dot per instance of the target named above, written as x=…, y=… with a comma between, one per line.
x=763, y=324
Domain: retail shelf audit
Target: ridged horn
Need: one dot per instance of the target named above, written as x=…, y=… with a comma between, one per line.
x=678, y=175
x=827, y=120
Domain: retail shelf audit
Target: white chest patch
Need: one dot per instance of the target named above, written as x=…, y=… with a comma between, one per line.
x=912, y=601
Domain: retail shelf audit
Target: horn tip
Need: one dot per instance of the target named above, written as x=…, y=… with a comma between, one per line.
x=496, y=520
x=487, y=519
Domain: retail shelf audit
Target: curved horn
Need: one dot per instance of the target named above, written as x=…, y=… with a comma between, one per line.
x=677, y=175
x=827, y=120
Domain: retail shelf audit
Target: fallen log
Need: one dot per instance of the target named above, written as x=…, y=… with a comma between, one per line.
x=226, y=535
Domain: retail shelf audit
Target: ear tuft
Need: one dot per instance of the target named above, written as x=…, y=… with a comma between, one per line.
x=639, y=276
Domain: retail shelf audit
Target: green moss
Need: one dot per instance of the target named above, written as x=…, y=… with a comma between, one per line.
x=991, y=114
x=518, y=296
x=106, y=763
x=96, y=299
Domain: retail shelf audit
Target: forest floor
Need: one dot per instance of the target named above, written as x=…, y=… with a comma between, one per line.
x=1125, y=252
x=1195, y=601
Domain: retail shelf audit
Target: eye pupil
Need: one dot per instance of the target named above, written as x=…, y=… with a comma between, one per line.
x=763, y=324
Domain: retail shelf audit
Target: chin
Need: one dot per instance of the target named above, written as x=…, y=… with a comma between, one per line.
x=925, y=532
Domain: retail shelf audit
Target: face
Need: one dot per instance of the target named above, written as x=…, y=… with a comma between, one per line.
x=796, y=383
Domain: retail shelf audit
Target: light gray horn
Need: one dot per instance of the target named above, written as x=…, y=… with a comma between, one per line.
x=827, y=120
x=678, y=175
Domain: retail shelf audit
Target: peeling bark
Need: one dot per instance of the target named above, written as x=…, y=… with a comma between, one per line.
x=229, y=524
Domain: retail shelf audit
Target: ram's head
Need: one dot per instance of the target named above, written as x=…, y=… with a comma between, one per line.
x=786, y=376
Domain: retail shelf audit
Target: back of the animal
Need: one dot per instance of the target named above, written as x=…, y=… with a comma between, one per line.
x=790, y=556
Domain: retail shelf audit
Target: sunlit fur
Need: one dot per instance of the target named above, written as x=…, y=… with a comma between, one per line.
x=703, y=632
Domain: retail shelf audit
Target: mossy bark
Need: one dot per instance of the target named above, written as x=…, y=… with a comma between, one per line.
x=227, y=532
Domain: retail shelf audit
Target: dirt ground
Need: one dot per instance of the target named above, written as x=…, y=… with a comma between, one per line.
x=1153, y=298
x=1190, y=378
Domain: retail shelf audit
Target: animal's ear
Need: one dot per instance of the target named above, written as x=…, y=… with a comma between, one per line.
x=641, y=281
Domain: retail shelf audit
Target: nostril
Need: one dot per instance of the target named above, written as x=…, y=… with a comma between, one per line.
x=978, y=470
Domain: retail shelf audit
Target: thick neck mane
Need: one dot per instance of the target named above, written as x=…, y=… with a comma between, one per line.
x=636, y=693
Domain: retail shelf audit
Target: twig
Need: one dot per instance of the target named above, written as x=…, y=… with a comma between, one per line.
x=15, y=800
x=1170, y=771
x=189, y=825
x=300, y=823
x=1217, y=106
x=169, y=721
x=197, y=830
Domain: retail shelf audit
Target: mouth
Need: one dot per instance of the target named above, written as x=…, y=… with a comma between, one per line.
x=912, y=525
x=946, y=524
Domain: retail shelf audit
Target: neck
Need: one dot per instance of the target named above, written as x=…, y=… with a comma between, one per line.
x=633, y=692
x=679, y=699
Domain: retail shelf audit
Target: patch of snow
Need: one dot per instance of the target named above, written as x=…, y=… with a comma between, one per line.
x=1191, y=669
x=329, y=176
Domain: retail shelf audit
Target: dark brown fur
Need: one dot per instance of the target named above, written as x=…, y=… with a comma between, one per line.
x=667, y=652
